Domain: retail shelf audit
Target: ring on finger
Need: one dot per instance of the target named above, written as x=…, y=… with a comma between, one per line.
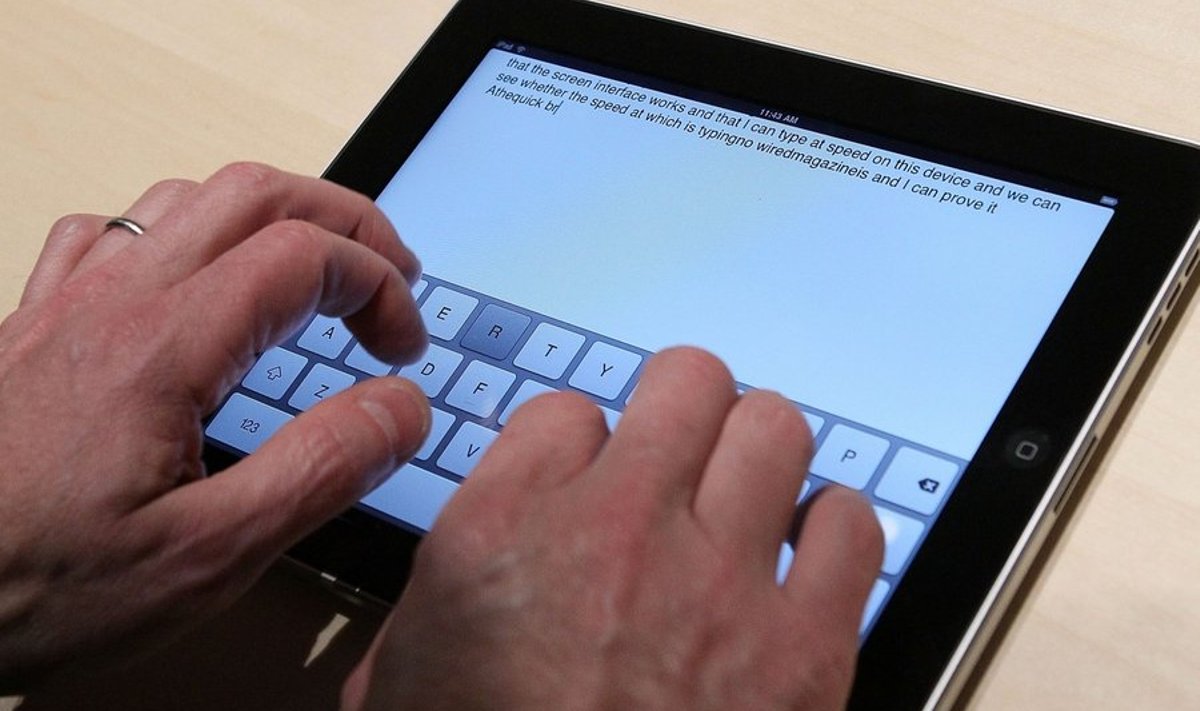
x=126, y=224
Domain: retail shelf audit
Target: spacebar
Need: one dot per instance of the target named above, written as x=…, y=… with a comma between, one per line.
x=413, y=495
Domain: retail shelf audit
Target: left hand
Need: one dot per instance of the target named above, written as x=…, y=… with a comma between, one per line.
x=111, y=536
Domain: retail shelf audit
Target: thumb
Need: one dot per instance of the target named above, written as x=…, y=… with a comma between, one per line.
x=313, y=468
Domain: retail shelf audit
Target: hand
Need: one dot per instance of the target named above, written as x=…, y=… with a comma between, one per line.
x=112, y=538
x=577, y=571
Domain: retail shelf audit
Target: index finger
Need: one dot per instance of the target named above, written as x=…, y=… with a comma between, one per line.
x=243, y=198
x=258, y=292
x=667, y=433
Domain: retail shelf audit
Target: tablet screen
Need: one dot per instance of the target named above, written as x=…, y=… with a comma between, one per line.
x=572, y=219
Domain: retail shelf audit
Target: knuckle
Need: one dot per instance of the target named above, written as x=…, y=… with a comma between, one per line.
x=292, y=231
x=171, y=187
x=69, y=228
x=245, y=176
x=293, y=240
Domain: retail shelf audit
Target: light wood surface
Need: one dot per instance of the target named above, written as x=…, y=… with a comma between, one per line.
x=103, y=98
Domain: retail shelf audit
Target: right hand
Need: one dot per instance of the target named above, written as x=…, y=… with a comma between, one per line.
x=574, y=570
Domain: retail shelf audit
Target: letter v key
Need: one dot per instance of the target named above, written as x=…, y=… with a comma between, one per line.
x=466, y=448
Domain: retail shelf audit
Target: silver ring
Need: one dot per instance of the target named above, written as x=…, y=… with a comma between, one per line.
x=126, y=224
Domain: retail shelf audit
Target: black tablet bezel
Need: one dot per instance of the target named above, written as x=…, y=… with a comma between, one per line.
x=1157, y=182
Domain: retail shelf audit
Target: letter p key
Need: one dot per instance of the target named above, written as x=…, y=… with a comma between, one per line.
x=849, y=456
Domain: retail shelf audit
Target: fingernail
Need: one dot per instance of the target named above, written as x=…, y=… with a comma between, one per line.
x=398, y=414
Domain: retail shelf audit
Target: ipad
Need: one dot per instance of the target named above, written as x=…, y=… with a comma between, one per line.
x=955, y=289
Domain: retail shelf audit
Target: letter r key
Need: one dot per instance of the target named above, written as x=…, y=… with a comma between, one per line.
x=496, y=331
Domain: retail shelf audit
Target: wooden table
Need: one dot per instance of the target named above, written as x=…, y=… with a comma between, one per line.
x=104, y=98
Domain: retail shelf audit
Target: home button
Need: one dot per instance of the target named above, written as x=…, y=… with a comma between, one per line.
x=1027, y=448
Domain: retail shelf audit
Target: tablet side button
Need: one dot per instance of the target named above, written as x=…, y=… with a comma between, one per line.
x=1068, y=488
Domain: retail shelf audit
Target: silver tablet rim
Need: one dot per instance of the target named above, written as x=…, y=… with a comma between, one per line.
x=976, y=636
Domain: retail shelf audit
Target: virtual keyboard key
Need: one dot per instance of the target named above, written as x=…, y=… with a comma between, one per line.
x=605, y=370
x=815, y=422
x=611, y=417
x=244, y=423
x=787, y=553
x=480, y=388
x=412, y=494
x=900, y=536
x=445, y=312
x=325, y=336
x=322, y=382
x=466, y=449
x=849, y=456
x=274, y=372
x=549, y=351
x=875, y=600
x=433, y=371
x=361, y=360
x=916, y=480
x=495, y=332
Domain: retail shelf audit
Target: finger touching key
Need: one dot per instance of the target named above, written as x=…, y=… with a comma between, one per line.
x=261, y=289
x=671, y=425
x=644, y=580
x=750, y=485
